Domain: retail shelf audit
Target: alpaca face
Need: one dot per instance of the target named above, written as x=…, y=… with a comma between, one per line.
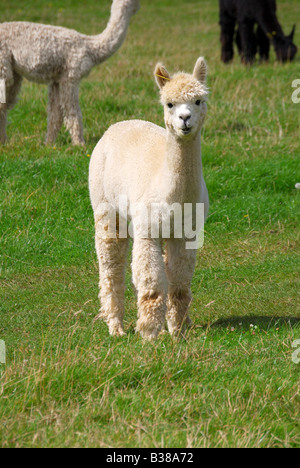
x=185, y=119
x=184, y=99
x=287, y=51
x=285, y=47
x=132, y=5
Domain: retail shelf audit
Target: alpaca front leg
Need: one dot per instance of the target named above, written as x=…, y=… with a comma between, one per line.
x=151, y=284
x=112, y=255
x=180, y=266
x=55, y=115
x=263, y=44
x=69, y=101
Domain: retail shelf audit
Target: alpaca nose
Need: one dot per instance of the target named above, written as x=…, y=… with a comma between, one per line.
x=185, y=117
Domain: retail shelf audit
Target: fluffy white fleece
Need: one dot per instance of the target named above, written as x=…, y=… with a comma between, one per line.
x=147, y=164
x=59, y=57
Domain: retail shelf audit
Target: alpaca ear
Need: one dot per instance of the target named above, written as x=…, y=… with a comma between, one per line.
x=161, y=75
x=291, y=36
x=200, y=70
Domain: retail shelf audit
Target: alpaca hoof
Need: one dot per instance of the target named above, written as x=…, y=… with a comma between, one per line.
x=148, y=336
x=78, y=143
x=148, y=331
x=117, y=331
x=188, y=322
x=115, y=328
x=176, y=329
x=49, y=141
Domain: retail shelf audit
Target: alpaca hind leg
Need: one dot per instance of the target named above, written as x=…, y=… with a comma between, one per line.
x=13, y=91
x=112, y=255
x=180, y=265
x=150, y=282
x=227, y=24
x=69, y=101
x=55, y=115
x=248, y=41
x=10, y=83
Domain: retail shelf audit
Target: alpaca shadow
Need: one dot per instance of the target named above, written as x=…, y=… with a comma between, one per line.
x=263, y=322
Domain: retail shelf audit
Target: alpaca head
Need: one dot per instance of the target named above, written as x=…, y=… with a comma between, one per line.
x=285, y=47
x=131, y=6
x=184, y=99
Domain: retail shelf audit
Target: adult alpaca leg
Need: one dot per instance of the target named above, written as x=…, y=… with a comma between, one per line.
x=69, y=101
x=180, y=265
x=3, y=123
x=150, y=281
x=6, y=77
x=227, y=24
x=112, y=255
x=12, y=82
x=12, y=92
x=55, y=115
x=263, y=44
x=248, y=41
x=238, y=41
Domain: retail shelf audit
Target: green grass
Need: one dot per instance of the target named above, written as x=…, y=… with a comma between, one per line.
x=232, y=382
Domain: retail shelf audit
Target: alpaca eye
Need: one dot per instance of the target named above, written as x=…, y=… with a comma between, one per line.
x=170, y=105
x=198, y=102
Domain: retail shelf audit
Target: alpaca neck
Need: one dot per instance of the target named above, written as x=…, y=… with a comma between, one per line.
x=183, y=168
x=272, y=28
x=103, y=45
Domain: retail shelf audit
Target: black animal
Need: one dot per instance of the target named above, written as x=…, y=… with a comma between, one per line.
x=247, y=14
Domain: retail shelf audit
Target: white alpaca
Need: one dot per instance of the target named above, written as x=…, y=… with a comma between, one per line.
x=148, y=164
x=59, y=57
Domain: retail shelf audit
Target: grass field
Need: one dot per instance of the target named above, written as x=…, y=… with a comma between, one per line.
x=232, y=382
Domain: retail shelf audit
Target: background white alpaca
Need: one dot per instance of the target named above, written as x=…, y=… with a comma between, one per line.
x=59, y=57
x=148, y=164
